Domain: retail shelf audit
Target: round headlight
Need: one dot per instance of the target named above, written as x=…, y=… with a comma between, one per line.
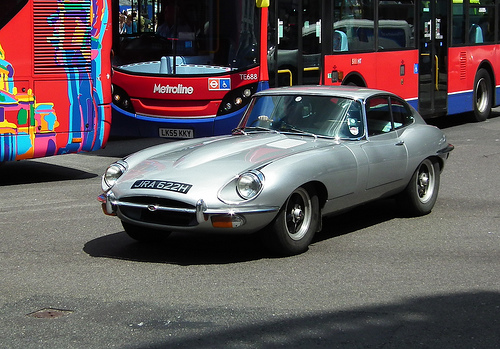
x=248, y=185
x=113, y=172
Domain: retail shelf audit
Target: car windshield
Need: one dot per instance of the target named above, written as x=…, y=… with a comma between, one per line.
x=319, y=115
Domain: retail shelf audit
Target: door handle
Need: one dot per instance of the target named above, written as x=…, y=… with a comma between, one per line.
x=400, y=143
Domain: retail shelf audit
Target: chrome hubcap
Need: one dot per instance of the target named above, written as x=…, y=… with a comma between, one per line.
x=425, y=181
x=298, y=214
x=423, y=184
x=481, y=96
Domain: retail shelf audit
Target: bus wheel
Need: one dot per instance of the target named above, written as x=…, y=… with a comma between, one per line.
x=483, y=95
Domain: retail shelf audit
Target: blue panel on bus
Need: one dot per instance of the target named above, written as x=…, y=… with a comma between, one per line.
x=459, y=102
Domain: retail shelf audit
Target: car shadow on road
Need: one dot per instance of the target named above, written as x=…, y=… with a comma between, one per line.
x=200, y=249
x=31, y=171
x=179, y=249
x=361, y=217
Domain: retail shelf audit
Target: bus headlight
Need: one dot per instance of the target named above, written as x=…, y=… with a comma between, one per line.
x=121, y=99
x=236, y=99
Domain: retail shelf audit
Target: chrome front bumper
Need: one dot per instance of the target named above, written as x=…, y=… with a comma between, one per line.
x=245, y=218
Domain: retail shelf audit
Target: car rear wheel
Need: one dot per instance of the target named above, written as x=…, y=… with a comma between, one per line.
x=293, y=228
x=142, y=234
x=421, y=193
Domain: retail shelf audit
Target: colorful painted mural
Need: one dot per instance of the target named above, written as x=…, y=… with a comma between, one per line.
x=60, y=103
x=20, y=115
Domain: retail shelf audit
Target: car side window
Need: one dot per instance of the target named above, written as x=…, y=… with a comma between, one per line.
x=378, y=116
x=401, y=114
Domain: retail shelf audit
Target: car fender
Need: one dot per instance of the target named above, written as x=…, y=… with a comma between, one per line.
x=335, y=166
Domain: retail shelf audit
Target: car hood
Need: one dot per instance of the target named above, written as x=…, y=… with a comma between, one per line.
x=215, y=161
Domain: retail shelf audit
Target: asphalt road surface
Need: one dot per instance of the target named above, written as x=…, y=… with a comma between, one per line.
x=71, y=278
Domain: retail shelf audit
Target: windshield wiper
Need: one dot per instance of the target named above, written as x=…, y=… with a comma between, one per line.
x=259, y=128
x=291, y=129
x=239, y=131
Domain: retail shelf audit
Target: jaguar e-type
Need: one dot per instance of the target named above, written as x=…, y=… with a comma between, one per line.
x=298, y=154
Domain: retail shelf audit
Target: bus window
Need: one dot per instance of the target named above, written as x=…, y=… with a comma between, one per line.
x=396, y=24
x=458, y=33
x=482, y=22
x=9, y=9
x=355, y=20
x=188, y=37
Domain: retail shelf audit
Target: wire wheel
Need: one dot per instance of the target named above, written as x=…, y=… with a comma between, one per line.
x=294, y=227
x=421, y=193
x=425, y=181
x=298, y=214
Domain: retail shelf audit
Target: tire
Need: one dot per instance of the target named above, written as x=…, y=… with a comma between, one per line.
x=483, y=95
x=294, y=227
x=142, y=234
x=421, y=193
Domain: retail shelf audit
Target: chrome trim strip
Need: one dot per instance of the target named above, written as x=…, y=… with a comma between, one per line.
x=158, y=208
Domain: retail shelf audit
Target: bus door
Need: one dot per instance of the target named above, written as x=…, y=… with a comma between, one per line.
x=295, y=42
x=433, y=46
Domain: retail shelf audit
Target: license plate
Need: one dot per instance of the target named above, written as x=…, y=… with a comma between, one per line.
x=182, y=188
x=176, y=133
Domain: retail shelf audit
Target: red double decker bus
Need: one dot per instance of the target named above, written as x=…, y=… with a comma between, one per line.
x=441, y=56
x=55, y=77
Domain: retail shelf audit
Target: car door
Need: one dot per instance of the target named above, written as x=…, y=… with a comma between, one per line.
x=386, y=152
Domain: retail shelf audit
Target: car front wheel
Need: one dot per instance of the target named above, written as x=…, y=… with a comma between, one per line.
x=293, y=228
x=421, y=193
x=142, y=234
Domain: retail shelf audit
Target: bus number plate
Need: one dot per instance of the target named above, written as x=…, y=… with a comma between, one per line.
x=176, y=133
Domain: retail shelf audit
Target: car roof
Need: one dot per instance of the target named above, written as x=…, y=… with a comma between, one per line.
x=352, y=92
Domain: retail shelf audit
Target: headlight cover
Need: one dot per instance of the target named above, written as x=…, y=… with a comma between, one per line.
x=112, y=173
x=249, y=185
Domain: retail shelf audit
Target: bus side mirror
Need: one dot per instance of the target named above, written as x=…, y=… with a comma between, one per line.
x=262, y=3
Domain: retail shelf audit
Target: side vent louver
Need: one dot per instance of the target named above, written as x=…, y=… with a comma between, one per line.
x=62, y=37
x=463, y=65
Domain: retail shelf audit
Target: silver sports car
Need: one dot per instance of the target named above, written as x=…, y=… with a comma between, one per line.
x=298, y=154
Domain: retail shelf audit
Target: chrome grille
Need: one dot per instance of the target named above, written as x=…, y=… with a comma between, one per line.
x=158, y=211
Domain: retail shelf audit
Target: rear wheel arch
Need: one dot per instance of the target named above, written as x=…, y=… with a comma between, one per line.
x=437, y=160
x=486, y=65
x=354, y=79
